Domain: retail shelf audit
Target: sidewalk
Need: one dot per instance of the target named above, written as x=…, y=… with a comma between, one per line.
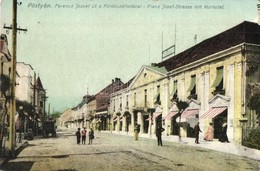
x=230, y=148
x=18, y=148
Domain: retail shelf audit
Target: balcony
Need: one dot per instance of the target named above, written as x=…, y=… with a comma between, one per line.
x=222, y=92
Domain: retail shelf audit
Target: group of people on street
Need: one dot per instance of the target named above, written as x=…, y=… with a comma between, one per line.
x=81, y=135
x=209, y=135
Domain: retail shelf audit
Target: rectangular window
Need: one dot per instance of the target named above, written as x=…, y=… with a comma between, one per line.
x=218, y=83
x=120, y=103
x=192, y=87
x=41, y=103
x=127, y=103
x=157, y=96
x=134, y=99
x=145, y=97
x=114, y=105
x=174, y=92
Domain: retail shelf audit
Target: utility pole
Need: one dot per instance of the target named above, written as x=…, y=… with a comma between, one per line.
x=49, y=108
x=14, y=28
x=44, y=105
x=34, y=101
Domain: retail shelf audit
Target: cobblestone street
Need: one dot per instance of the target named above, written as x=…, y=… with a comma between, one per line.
x=117, y=152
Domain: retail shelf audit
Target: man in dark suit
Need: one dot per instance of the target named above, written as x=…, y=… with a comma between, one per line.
x=159, y=131
x=197, y=132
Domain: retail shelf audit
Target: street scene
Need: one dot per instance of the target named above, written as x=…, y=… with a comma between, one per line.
x=129, y=85
x=121, y=152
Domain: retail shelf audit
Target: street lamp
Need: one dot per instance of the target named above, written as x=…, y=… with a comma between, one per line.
x=20, y=125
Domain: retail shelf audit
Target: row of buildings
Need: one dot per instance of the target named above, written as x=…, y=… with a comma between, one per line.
x=216, y=77
x=30, y=95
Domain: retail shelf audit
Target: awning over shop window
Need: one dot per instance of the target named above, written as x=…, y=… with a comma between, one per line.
x=170, y=115
x=156, y=114
x=115, y=119
x=219, y=77
x=189, y=113
x=121, y=119
x=213, y=112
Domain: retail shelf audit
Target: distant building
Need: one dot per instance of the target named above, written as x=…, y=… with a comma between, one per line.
x=102, y=116
x=24, y=79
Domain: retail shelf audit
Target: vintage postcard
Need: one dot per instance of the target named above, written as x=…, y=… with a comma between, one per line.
x=130, y=85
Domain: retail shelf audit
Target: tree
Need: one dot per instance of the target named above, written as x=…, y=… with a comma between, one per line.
x=56, y=115
x=181, y=105
x=254, y=104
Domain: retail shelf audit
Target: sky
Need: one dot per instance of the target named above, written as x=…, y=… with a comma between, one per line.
x=76, y=51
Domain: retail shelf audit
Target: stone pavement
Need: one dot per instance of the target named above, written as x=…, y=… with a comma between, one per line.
x=231, y=148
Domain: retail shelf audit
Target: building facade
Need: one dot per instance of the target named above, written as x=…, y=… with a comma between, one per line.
x=214, y=77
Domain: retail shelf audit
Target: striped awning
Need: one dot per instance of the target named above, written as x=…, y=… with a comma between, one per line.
x=156, y=114
x=115, y=119
x=189, y=113
x=170, y=115
x=213, y=112
x=149, y=118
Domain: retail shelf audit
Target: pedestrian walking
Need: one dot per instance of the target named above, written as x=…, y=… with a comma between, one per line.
x=210, y=133
x=159, y=131
x=136, y=131
x=83, y=135
x=78, y=136
x=90, y=136
x=197, y=132
x=223, y=136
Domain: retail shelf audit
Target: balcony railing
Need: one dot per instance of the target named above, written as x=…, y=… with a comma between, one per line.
x=222, y=92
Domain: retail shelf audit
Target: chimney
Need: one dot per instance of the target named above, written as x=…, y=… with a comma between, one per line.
x=153, y=64
x=258, y=9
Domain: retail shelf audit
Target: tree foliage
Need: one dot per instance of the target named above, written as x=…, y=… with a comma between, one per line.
x=182, y=105
x=253, y=139
x=56, y=115
x=26, y=107
x=254, y=103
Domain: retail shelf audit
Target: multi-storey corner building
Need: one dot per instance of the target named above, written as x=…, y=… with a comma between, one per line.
x=140, y=101
x=119, y=109
x=5, y=69
x=102, y=115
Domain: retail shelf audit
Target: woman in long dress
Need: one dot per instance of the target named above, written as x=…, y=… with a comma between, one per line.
x=210, y=133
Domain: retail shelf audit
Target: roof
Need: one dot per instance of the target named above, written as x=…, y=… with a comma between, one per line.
x=160, y=69
x=245, y=32
x=102, y=97
x=39, y=84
